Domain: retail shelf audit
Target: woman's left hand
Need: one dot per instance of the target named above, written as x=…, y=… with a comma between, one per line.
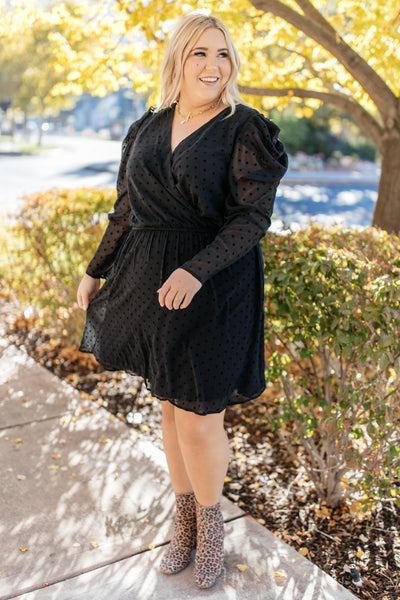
x=179, y=289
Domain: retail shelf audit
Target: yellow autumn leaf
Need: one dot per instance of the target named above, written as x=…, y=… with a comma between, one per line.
x=261, y=507
x=152, y=546
x=145, y=428
x=18, y=440
x=241, y=567
x=261, y=521
x=228, y=479
x=94, y=544
x=303, y=551
x=360, y=554
x=21, y=477
x=23, y=549
x=280, y=574
x=56, y=456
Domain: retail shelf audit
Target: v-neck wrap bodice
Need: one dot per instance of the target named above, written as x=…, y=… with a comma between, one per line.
x=222, y=178
x=202, y=207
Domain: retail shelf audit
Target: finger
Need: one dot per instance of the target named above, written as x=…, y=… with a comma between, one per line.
x=187, y=300
x=169, y=299
x=162, y=292
x=178, y=299
x=81, y=303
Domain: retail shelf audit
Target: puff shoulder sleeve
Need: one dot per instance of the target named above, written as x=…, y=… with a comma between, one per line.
x=258, y=163
x=119, y=219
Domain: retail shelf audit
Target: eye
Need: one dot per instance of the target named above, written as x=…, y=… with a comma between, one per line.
x=224, y=54
x=199, y=53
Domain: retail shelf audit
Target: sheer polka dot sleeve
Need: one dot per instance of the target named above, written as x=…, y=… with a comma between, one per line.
x=257, y=165
x=120, y=219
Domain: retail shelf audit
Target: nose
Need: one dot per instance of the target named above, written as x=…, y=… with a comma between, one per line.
x=211, y=64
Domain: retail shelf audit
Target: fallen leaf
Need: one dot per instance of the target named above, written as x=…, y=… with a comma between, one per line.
x=23, y=549
x=21, y=477
x=261, y=521
x=18, y=440
x=105, y=441
x=6, y=439
x=152, y=546
x=228, y=479
x=145, y=428
x=261, y=507
x=56, y=456
x=94, y=544
x=53, y=467
x=45, y=584
x=280, y=574
x=360, y=554
x=241, y=567
x=303, y=551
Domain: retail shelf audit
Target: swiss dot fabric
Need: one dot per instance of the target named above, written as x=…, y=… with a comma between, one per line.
x=204, y=208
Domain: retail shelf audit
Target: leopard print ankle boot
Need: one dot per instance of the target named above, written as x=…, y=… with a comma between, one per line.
x=210, y=545
x=177, y=556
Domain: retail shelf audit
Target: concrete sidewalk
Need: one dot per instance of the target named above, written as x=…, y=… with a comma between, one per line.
x=87, y=508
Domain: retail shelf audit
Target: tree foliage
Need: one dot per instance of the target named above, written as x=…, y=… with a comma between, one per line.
x=50, y=54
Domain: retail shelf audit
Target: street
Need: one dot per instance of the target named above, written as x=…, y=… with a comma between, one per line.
x=67, y=164
x=328, y=197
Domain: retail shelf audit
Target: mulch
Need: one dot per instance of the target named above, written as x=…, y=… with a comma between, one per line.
x=262, y=478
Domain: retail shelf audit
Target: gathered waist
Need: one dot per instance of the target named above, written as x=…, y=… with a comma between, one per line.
x=175, y=229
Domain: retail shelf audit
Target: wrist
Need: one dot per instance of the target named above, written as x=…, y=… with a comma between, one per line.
x=87, y=276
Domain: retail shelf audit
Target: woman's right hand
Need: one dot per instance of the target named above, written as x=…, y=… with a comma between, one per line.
x=88, y=288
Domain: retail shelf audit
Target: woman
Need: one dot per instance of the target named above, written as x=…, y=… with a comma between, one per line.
x=182, y=304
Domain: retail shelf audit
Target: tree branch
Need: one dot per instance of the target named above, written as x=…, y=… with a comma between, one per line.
x=324, y=34
x=366, y=121
x=310, y=11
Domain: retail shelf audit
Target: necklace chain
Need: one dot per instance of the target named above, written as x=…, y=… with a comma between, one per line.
x=192, y=115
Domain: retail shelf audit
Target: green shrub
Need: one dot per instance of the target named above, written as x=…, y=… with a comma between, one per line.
x=46, y=250
x=332, y=340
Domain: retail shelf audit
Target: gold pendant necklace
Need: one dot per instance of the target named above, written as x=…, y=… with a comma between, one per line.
x=192, y=116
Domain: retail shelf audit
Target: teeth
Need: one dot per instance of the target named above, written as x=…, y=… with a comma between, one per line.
x=210, y=79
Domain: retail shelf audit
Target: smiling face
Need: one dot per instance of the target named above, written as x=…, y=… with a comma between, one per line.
x=206, y=70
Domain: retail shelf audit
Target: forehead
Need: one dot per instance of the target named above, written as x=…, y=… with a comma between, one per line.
x=211, y=37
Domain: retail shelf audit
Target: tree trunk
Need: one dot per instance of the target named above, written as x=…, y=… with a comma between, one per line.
x=387, y=208
x=40, y=131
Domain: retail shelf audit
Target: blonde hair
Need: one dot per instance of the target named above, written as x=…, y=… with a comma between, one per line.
x=184, y=37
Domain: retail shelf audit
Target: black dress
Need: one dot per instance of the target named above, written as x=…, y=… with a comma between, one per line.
x=204, y=208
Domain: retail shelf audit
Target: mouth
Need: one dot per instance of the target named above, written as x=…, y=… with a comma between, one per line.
x=209, y=79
